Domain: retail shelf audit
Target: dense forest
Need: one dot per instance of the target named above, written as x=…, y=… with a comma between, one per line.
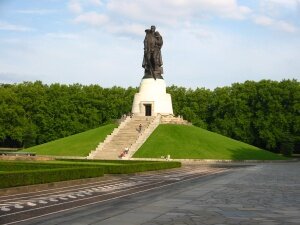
x=265, y=113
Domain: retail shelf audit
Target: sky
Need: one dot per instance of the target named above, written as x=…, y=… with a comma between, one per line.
x=207, y=43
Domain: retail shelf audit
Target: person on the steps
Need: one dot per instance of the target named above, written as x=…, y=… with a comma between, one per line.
x=126, y=150
x=122, y=155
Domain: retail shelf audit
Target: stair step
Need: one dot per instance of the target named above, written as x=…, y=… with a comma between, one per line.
x=125, y=136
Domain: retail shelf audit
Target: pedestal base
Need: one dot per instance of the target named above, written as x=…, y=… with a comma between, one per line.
x=152, y=99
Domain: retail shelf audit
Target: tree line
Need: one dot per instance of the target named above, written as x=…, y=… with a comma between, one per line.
x=265, y=113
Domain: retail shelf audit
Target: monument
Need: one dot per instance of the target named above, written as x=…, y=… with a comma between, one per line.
x=152, y=98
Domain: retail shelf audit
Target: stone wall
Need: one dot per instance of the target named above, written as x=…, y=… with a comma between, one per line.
x=170, y=119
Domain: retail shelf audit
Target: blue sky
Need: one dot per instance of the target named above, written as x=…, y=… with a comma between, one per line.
x=207, y=43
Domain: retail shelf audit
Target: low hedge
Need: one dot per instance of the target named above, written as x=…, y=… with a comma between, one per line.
x=127, y=166
x=140, y=167
x=28, y=177
x=107, y=161
x=27, y=173
x=16, y=166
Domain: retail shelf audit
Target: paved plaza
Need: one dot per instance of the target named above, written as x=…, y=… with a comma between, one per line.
x=266, y=194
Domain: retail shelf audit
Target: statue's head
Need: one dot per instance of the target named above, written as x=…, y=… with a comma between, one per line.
x=153, y=28
x=156, y=34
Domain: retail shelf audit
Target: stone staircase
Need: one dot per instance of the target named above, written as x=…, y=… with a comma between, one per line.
x=126, y=135
x=143, y=137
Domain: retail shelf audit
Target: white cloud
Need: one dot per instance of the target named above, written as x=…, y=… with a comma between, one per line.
x=75, y=6
x=275, y=24
x=283, y=3
x=173, y=11
x=285, y=26
x=92, y=18
x=36, y=11
x=13, y=27
x=279, y=7
x=62, y=35
x=199, y=31
x=263, y=20
x=278, y=14
x=127, y=29
x=96, y=2
x=119, y=16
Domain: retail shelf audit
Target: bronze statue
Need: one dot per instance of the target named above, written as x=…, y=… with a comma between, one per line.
x=152, y=61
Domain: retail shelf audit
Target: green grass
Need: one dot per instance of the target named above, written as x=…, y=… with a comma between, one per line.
x=76, y=145
x=190, y=142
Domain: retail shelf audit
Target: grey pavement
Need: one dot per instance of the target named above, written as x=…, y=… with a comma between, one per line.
x=266, y=194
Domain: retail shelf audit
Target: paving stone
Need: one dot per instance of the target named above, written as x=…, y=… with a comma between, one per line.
x=268, y=194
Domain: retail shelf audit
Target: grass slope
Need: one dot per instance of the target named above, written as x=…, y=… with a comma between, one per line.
x=190, y=142
x=76, y=145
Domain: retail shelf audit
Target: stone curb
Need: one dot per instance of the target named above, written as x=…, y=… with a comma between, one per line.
x=207, y=161
x=25, y=158
x=69, y=157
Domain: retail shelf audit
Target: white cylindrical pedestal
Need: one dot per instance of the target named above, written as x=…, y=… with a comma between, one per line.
x=152, y=99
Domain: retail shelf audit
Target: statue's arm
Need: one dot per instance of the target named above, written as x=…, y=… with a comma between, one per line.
x=145, y=44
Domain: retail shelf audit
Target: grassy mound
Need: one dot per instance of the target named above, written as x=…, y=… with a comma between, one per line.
x=190, y=142
x=76, y=145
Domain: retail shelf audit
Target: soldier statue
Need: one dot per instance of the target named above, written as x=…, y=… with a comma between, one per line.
x=152, y=61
